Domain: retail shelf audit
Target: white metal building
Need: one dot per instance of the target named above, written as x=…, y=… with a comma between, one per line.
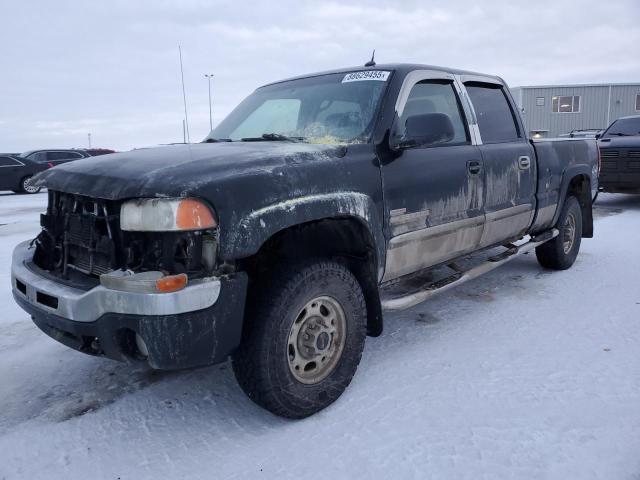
x=552, y=110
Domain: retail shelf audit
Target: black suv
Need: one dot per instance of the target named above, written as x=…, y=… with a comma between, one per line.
x=620, y=154
x=94, y=152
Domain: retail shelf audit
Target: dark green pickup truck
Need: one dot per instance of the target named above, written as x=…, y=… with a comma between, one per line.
x=272, y=240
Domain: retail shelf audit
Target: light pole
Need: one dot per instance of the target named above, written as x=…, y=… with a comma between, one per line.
x=184, y=96
x=209, y=77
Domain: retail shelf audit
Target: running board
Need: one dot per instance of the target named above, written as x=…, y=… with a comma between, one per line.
x=460, y=277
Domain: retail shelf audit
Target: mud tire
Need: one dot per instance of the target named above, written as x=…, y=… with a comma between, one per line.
x=262, y=362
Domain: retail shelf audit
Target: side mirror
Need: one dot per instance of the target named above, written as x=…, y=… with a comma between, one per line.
x=426, y=129
x=598, y=136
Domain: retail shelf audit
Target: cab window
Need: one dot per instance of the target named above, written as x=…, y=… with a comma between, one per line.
x=435, y=96
x=496, y=119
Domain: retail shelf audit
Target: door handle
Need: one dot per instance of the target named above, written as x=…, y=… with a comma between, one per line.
x=524, y=162
x=474, y=167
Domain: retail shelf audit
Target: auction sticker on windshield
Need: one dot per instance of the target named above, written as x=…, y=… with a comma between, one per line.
x=379, y=75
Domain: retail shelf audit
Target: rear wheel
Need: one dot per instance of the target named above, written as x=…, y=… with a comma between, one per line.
x=561, y=252
x=26, y=187
x=303, y=339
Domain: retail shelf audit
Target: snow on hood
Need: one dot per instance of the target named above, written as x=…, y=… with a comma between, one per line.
x=177, y=170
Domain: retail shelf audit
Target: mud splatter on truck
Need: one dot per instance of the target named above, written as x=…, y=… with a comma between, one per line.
x=275, y=239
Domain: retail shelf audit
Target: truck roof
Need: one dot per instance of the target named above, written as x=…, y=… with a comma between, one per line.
x=399, y=67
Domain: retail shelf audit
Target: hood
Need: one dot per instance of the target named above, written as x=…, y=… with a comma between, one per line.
x=620, y=142
x=177, y=170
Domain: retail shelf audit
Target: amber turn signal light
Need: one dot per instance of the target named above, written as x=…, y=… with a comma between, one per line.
x=171, y=283
x=193, y=215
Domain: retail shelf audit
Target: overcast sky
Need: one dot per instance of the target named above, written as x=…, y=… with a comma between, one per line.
x=68, y=68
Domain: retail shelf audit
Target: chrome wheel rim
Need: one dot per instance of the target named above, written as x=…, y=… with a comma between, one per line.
x=569, y=235
x=26, y=185
x=316, y=340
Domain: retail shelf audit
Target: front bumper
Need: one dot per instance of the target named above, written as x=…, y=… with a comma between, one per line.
x=199, y=325
x=619, y=182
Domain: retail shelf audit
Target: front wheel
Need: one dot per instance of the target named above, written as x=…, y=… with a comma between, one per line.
x=561, y=252
x=27, y=187
x=303, y=339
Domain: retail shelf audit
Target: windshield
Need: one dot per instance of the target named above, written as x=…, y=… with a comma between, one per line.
x=35, y=156
x=624, y=127
x=331, y=109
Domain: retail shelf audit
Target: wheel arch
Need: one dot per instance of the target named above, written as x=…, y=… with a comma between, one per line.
x=577, y=182
x=244, y=235
x=346, y=238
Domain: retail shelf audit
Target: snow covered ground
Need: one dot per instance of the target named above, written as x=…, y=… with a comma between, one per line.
x=522, y=374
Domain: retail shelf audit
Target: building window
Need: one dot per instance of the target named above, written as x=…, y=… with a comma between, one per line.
x=638, y=102
x=570, y=104
x=539, y=101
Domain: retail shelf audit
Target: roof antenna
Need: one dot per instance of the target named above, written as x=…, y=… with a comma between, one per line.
x=372, y=62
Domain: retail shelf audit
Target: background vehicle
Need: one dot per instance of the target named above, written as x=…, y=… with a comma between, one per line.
x=586, y=133
x=310, y=208
x=94, y=152
x=620, y=154
x=54, y=157
x=16, y=173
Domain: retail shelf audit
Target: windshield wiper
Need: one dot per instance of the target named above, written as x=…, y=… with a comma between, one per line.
x=216, y=140
x=273, y=137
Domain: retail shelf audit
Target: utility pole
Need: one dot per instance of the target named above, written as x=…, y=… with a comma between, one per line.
x=209, y=77
x=184, y=98
x=89, y=137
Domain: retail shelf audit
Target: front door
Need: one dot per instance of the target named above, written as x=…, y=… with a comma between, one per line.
x=433, y=195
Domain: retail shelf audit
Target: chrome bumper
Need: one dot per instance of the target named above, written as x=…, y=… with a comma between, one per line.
x=87, y=306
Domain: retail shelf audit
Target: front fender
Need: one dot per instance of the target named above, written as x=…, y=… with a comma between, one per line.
x=247, y=236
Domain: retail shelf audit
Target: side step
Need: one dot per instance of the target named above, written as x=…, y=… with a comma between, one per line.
x=461, y=276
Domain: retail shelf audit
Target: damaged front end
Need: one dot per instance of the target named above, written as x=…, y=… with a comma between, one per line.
x=82, y=238
x=131, y=280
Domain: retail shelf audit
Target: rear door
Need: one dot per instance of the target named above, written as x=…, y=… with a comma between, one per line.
x=433, y=195
x=509, y=162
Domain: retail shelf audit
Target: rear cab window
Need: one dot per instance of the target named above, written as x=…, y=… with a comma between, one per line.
x=496, y=118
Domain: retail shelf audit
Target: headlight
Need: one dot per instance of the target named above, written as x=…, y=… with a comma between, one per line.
x=165, y=215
